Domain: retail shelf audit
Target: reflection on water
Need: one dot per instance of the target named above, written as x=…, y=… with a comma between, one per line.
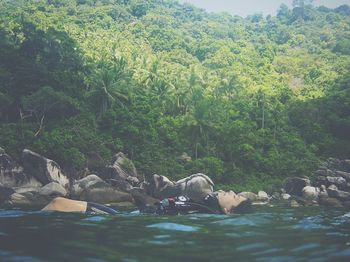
x=265, y=234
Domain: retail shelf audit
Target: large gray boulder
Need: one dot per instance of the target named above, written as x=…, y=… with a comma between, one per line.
x=53, y=189
x=329, y=201
x=16, y=178
x=93, y=188
x=90, y=181
x=28, y=199
x=295, y=185
x=123, y=168
x=13, y=176
x=323, y=191
x=105, y=195
x=120, y=184
x=333, y=191
x=43, y=169
x=344, y=175
x=338, y=181
x=196, y=187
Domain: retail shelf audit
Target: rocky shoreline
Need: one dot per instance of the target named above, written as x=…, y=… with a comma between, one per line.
x=38, y=180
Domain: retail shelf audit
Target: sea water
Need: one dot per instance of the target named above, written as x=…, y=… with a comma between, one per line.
x=262, y=234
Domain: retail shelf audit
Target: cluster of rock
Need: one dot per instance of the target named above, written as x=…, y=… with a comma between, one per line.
x=329, y=186
x=38, y=179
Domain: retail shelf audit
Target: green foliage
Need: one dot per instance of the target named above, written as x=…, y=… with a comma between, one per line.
x=251, y=100
x=211, y=166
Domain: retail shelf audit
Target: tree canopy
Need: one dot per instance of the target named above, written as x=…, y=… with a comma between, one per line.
x=251, y=100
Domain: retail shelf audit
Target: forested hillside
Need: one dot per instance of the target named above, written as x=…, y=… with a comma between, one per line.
x=251, y=100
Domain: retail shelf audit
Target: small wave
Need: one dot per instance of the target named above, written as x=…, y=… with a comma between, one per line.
x=254, y=246
x=95, y=219
x=12, y=213
x=243, y=221
x=174, y=226
x=311, y=223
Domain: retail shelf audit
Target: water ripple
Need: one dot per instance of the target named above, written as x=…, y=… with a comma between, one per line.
x=243, y=221
x=174, y=227
x=311, y=223
x=305, y=247
x=253, y=246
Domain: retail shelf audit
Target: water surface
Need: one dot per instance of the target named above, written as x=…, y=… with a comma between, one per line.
x=264, y=234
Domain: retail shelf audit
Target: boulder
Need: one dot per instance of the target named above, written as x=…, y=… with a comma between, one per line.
x=53, y=189
x=23, y=190
x=17, y=200
x=13, y=176
x=276, y=195
x=310, y=193
x=93, y=188
x=338, y=181
x=321, y=180
x=294, y=204
x=344, y=175
x=120, y=184
x=43, y=169
x=123, y=168
x=263, y=196
x=339, y=194
x=105, y=195
x=90, y=181
x=250, y=195
x=324, y=172
x=196, y=187
x=329, y=201
x=16, y=178
x=323, y=191
x=295, y=185
x=285, y=196
x=28, y=199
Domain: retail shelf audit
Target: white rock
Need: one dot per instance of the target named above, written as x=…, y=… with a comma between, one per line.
x=310, y=193
x=249, y=195
x=286, y=196
x=263, y=196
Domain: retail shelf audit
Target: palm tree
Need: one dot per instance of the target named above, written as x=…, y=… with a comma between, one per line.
x=109, y=82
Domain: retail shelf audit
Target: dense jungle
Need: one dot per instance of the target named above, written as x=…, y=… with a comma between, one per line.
x=247, y=101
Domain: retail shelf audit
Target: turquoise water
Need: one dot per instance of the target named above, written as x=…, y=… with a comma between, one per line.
x=264, y=234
